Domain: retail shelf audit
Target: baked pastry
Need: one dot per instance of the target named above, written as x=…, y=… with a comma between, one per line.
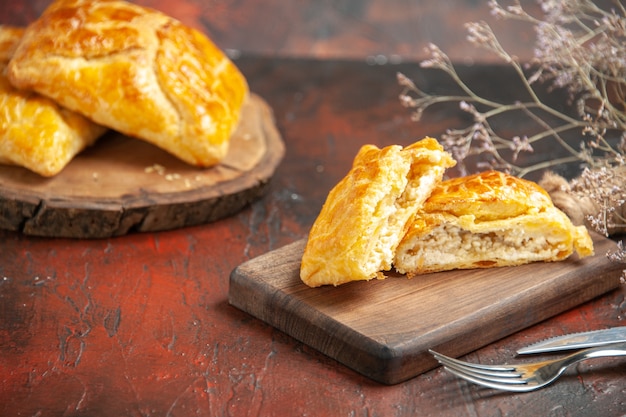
x=137, y=71
x=9, y=38
x=35, y=132
x=488, y=220
x=365, y=215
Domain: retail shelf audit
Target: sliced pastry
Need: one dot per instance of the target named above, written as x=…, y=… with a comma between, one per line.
x=366, y=214
x=488, y=220
x=35, y=132
x=137, y=71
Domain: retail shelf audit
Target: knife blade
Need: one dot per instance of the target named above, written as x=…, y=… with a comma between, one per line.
x=577, y=341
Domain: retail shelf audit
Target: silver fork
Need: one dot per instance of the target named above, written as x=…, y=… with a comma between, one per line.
x=523, y=377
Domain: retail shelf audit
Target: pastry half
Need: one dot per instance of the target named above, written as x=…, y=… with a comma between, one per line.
x=137, y=71
x=35, y=132
x=366, y=214
x=488, y=220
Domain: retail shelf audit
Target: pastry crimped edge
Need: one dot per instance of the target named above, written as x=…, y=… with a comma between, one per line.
x=35, y=132
x=137, y=71
x=366, y=214
x=486, y=220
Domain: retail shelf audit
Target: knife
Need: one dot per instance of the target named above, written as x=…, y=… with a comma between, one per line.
x=577, y=341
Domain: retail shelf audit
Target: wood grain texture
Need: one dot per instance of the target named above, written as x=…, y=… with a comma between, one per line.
x=384, y=328
x=121, y=185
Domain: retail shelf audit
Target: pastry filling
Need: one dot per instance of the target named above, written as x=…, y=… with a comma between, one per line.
x=397, y=215
x=456, y=247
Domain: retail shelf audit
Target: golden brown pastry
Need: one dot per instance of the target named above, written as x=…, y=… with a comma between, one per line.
x=487, y=220
x=9, y=39
x=365, y=215
x=35, y=132
x=137, y=71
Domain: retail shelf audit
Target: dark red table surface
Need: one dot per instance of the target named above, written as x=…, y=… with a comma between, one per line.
x=140, y=325
x=329, y=29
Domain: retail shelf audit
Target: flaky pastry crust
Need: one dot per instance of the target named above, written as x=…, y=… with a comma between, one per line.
x=137, y=71
x=366, y=213
x=35, y=132
x=487, y=220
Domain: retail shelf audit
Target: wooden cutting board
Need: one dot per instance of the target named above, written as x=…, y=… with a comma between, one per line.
x=122, y=185
x=384, y=328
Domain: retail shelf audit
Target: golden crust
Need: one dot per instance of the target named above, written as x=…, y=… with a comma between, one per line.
x=489, y=195
x=9, y=39
x=137, y=71
x=487, y=220
x=35, y=132
x=366, y=213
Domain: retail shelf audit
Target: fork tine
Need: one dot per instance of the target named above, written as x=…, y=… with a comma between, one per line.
x=510, y=377
x=488, y=375
x=518, y=386
x=486, y=369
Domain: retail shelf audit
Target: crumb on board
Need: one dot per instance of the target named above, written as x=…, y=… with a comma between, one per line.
x=160, y=170
x=172, y=177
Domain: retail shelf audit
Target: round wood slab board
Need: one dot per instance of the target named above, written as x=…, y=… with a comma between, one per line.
x=123, y=185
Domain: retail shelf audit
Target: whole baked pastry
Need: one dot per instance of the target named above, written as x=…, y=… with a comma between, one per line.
x=488, y=220
x=35, y=132
x=366, y=214
x=137, y=71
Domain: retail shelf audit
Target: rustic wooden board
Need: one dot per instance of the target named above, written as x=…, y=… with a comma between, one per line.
x=384, y=328
x=121, y=185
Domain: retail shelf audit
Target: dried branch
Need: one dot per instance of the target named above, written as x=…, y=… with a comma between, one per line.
x=580, y=48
